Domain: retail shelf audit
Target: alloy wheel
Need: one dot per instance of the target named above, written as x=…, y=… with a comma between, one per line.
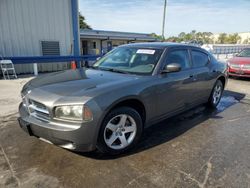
x=217, y=93
x=120, y=131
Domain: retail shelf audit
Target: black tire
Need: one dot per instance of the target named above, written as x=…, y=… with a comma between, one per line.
x=211, y=101
x=130, y=112
x=233, y=77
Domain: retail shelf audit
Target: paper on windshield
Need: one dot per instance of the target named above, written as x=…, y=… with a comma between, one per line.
x=145, y=51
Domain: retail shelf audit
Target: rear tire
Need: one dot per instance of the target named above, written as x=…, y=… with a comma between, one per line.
x=216, y=94
x=120, y=131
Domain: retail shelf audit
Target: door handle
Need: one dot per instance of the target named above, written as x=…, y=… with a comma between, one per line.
x=193, y=76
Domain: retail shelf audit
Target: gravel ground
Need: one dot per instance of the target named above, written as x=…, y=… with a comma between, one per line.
x=10, y=95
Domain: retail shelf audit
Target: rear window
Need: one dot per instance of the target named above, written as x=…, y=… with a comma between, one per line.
x=200, y=59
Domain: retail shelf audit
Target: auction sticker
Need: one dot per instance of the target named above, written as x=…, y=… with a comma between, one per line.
x=145, y=51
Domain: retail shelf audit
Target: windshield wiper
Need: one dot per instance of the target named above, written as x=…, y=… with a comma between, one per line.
x=113, y=70
x=92, y=67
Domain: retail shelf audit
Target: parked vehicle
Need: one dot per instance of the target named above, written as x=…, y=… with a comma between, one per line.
x=239, y=65
x=110, y=104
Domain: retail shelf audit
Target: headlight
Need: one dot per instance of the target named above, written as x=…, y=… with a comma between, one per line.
x=73, y=113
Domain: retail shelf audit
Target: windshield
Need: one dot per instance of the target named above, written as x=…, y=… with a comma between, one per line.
x=130, y=60
x=244, y=53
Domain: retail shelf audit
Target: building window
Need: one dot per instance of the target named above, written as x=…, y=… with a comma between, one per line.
x=50, y=48
x=94, y=45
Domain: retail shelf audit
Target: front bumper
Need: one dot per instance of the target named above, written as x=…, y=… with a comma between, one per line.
x=239, y=75
x=80, y=139
x=239, y=72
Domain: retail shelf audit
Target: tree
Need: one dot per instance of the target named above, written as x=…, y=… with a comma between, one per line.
x=82, y=22
x=188, y=37
x=182, y=35
x=228, y=39
x=206, y=38
x=194, y=36
x=193, y=33
x=233, y=39
x=173, y=39
x=159, y=37
x=222, y=38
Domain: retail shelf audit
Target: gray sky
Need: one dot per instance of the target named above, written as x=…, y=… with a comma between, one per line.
x=182, y=15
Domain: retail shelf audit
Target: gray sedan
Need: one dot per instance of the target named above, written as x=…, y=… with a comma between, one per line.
x=107, y=106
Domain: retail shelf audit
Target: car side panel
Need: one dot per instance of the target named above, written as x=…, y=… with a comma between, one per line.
x=174, y=91
x=141, y=90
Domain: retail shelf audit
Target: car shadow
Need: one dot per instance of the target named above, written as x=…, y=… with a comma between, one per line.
x=175, y=126
x=240, y=78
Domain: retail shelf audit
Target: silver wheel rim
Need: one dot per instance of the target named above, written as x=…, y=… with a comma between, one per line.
x=217, y=94
x=120, y=131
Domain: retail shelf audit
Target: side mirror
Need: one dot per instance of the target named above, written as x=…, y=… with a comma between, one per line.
x=173, y=67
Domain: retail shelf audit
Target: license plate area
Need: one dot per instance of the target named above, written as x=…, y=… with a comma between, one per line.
x=239, y=72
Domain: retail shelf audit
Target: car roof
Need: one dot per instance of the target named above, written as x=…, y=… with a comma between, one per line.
x=160, y=45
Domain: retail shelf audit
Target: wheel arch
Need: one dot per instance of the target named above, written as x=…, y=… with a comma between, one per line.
x=223, y=80
x=132, y=102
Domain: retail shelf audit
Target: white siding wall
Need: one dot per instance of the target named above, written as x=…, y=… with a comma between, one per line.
x=93, y=51
x=24, y=23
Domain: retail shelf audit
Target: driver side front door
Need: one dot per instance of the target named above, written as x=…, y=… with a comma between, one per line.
x=175, y=89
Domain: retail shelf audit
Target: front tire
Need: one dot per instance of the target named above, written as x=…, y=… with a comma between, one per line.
x=120, y=131
x=216, y=94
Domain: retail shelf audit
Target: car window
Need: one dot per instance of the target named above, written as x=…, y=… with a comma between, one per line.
x=244, y=53
x=200, y=59
x=130, y=60
x=179, y=56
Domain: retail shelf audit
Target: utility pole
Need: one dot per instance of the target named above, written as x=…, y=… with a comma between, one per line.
x=164, y=19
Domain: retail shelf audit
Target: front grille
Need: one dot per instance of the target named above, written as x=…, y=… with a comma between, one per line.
x=241, y=67
x=246, y=67
x=235, y=66
x=38, y=110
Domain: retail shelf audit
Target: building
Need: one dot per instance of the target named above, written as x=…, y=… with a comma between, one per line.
x=39, y=28
x=245, y=37
x=96, y=42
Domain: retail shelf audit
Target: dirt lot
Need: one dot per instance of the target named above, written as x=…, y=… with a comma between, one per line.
x=199, y=148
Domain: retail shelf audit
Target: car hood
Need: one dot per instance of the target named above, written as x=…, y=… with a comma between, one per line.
x=76, y=82
x=240, y=60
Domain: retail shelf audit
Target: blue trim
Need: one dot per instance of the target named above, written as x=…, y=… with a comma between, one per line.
x=101, y=52
x=75, y=24
x=82, y=31
x=50, y=59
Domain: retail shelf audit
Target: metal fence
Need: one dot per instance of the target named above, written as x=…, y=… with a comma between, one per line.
x=31, y=64
x=225, y=51
x=229, y=49
x=36, y=64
